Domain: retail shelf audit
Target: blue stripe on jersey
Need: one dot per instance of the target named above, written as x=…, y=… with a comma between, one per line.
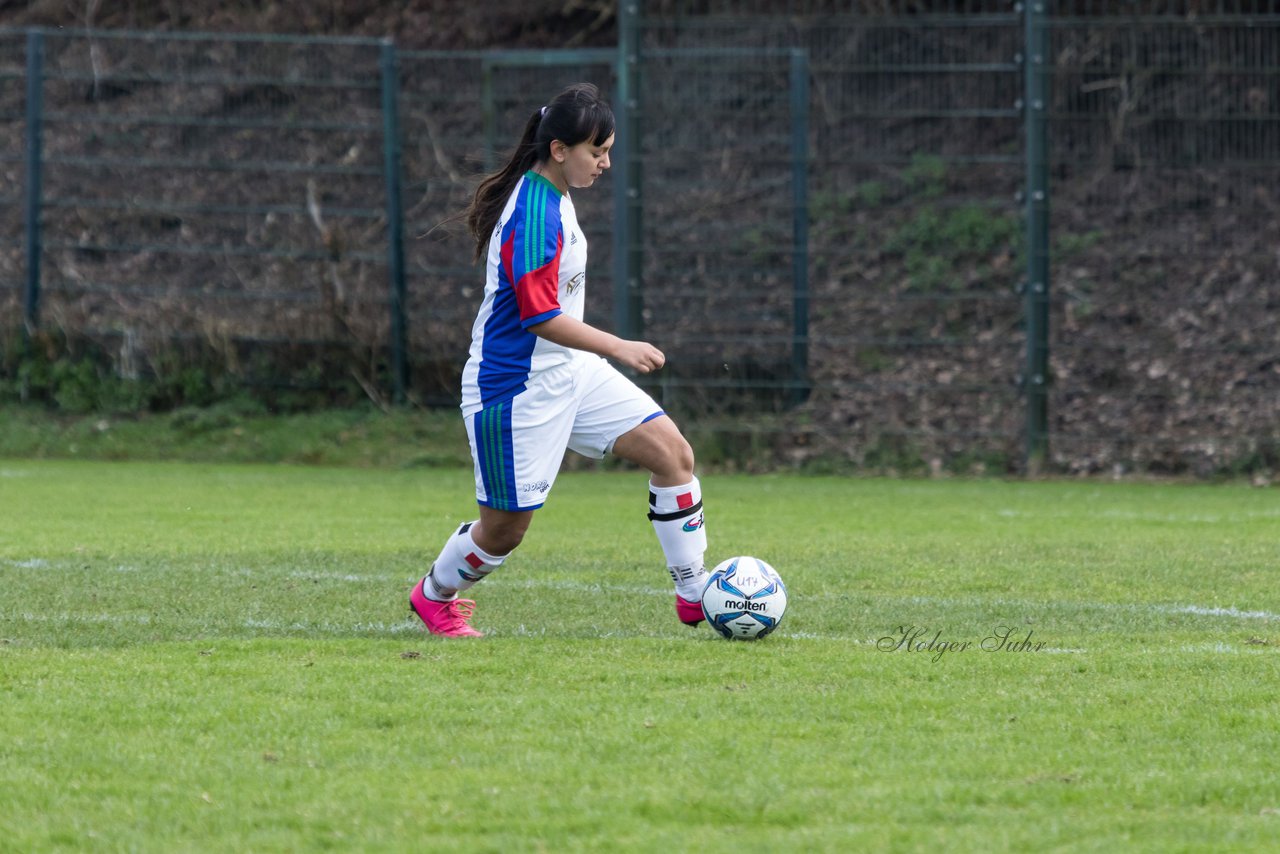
x=539, y=318
x=530, y=240
x=507, y=351
x=496, y=457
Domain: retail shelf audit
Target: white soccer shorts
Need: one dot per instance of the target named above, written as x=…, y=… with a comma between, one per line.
x=518, y=445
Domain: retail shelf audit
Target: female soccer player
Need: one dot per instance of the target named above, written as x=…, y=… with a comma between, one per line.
x=537, y=380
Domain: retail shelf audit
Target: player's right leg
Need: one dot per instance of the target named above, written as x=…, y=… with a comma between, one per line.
x=517, y=446
x=469, y=555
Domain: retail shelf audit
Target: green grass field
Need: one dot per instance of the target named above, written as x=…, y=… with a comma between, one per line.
x=220, y=658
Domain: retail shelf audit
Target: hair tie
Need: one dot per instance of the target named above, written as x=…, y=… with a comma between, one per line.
x=543, y=113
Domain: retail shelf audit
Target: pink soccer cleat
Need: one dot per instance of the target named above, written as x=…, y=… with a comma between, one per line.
x=447, y=619
x=690, y=613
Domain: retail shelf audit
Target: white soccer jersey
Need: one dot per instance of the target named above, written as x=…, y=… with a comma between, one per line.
x=537, y=268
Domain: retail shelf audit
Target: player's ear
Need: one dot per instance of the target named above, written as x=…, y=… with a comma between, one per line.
x=559, y=151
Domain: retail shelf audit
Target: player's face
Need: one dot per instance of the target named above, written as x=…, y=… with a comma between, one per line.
x=585, y=162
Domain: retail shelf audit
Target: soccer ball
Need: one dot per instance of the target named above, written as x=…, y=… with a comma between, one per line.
x=744, y=598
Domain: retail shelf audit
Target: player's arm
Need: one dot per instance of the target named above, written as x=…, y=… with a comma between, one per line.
x=570, y=332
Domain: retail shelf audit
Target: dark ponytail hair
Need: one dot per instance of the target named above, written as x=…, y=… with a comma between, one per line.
x=577, y=114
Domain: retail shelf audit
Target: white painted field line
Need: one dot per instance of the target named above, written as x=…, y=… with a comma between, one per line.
x=327, y=627
x=238, y=571
x=352, y=577
x=409, y=626
x=1229, y=612
x=1025, y=604
x=31, y=563
x=1235, y=613
x=583, y=586
x=377, y=626
x=1035, y=605
x=110, y=619
x=1215, y=647
x=1144, y=516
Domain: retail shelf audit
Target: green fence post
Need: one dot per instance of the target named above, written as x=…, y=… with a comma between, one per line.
x=800, y=225
x=395, y=216
x=1036, y=297
x=34, y=188
x=628, y=245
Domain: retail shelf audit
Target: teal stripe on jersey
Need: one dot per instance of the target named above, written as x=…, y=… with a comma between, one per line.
x=499, y=457
x=493, y=448
x=496, y=468
x=493, y=442
x=540, y=239
x=535, y=238
x=537, y=217
x=528, y=228
x=542, y=227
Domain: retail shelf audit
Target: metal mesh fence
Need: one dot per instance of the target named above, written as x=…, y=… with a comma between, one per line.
x=1165, y=136
x=914, y=147
x=823, y=226
x=223, y=193
x=718, y=187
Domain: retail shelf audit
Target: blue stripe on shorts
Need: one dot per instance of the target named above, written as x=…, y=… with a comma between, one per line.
x=496, y=456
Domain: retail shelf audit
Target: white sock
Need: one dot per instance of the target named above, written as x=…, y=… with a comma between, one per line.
x=460, y=565
x=676, y=513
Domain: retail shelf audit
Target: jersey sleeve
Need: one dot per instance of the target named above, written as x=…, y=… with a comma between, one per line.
x=532, y=256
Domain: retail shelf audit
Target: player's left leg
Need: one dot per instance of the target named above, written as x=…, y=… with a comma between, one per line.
x=675, y=506
x=618, y=417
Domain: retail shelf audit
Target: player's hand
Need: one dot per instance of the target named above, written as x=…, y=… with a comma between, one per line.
x=640, y=356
